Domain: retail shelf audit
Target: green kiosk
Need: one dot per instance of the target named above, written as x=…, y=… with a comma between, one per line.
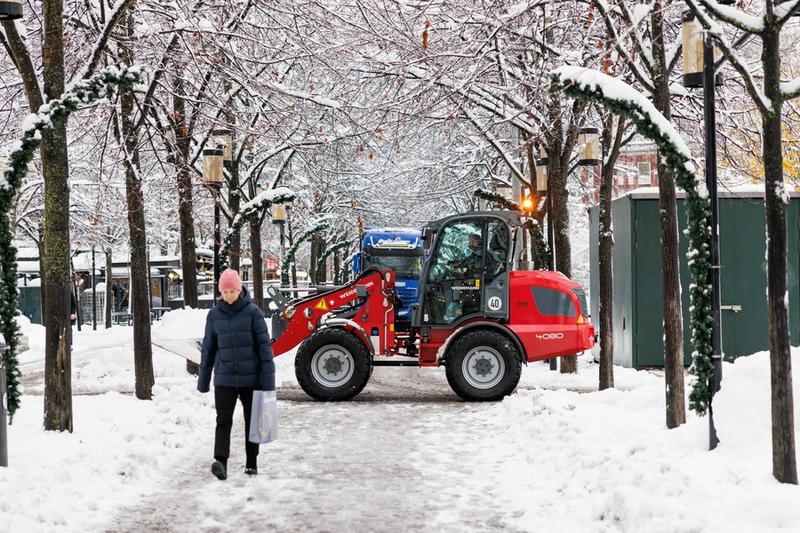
x=638, y=332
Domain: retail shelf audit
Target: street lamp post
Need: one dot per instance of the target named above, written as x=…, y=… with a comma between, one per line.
x=700, y=67
x=94, y=296
x=699, y=71
x=212, y=177
x=543, y=187
x=279, y=218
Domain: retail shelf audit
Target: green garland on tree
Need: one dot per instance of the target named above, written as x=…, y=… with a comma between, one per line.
x=104, y=84
x=623, y=100
x=288, y=261
x=499, y=200
x=540, y=252
x=330, y=251
x=251, y=212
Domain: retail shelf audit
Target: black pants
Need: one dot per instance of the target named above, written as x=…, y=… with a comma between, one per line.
x=225, y=403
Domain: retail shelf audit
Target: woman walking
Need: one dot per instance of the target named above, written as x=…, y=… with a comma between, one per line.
x=237, y=346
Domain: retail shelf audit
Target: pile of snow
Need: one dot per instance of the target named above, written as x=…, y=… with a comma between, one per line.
x=120, y=445
x=180, y=331
x=611, y=456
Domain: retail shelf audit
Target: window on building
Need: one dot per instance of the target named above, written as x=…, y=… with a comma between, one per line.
x=645, y=176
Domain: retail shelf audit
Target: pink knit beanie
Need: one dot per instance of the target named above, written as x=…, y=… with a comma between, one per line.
x=230, y=280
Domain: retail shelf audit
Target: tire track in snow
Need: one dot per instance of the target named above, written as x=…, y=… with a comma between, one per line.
x=407, y=454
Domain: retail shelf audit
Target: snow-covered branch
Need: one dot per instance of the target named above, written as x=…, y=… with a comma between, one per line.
x=786, y=9
x=735, y=17
x=496, y=145
x=100, y=45
x=250, y=211
x=791, y=89
x=756, y=93
x=644, y=77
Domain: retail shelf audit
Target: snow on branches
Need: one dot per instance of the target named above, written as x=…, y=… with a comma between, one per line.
x=104, y=84
x=622, y=99
x=250, y=212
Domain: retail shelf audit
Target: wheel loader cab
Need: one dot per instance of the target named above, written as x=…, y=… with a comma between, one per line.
x=466, y=274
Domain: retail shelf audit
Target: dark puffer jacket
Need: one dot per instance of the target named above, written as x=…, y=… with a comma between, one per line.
x=237, y=346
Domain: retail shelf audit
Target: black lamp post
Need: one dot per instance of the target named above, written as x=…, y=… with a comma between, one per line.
x=543, y=187
x=699, y=70
x=279, y=219
x=10, y=9
x=212, y=177
x=94, y=295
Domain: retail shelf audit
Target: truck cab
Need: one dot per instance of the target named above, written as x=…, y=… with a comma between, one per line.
x=398, y=249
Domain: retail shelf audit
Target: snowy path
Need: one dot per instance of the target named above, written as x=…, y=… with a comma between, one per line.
x=405, y=455
x=391, y=461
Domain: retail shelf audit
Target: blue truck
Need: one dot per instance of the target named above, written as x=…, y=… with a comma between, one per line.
x=399, y=249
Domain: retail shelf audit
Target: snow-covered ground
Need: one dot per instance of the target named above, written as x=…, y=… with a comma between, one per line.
x=406, y=455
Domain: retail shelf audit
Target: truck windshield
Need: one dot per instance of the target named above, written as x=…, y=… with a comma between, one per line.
x=405, y=267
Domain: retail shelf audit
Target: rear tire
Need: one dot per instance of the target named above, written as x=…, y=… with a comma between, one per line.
x=332, y=365
x=483, y=366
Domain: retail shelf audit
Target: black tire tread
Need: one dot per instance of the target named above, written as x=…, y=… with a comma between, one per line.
x=483, y=337
x=361, y=358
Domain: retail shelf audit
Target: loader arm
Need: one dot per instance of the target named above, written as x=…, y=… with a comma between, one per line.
x=364, y=307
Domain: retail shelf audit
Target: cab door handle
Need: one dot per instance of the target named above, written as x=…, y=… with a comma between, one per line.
x=735, y=308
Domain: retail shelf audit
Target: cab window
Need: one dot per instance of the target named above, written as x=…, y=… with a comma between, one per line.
x=497, y=243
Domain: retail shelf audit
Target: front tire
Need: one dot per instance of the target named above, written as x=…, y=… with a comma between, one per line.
x=483, y=366
x=332, y=365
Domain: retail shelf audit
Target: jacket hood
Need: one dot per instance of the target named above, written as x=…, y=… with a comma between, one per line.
x=242, y=302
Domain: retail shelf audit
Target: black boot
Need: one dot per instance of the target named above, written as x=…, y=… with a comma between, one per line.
x=251, y=469
x=219, y=469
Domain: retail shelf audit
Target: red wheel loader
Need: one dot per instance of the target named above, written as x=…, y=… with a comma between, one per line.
x=477, y=315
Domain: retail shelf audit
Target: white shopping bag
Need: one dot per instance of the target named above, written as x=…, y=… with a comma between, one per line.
x=264, y=417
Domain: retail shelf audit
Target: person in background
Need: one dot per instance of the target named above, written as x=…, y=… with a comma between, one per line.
x=73, y=306
x=116, y=289
x=237, y=347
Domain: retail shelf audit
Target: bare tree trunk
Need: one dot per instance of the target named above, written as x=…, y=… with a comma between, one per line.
x=185, y=201
x=139, y=295
x=605, y=267
x=42, y=284
x=234, y=194
x=314, y=258
x=337, y=265
x=784, y=462
x=234, y=199
x=55, y=263
x=258, y=264
x=109, y=283
x=671, y=283
x=560, y=214
x=186, y=221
